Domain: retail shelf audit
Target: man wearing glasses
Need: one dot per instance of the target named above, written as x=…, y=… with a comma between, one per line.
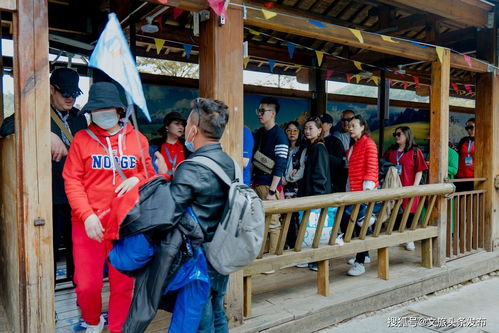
x=64, y=124
x=466, y=151
x=270, y=156
x=344, y=135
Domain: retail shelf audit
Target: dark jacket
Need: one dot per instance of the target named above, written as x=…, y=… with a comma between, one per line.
x=316, y=178
x=154, y=218
x=76, y=123
x=337, y=158
x=275, y=145
x=197, y=186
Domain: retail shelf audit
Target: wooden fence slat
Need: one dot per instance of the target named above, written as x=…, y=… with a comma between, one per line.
x=475, y=221
x=405, y=216
x=365, y=225
x=393, y=217
x=462, y=225
x=301, y=230
x=320, y=226
x=268, y=217
x=469, y=221
x=337, y=223
x=283, y=234
x=429, y=211
x=379, y=220
x=448, y=232
x=457, y=218
x=351, y=223
x=417, y=215
x=481, y=227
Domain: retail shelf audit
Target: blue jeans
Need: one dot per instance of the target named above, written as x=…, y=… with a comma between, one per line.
x=213, y=319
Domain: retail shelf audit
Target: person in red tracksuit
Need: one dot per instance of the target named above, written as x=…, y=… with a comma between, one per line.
x=91, y=182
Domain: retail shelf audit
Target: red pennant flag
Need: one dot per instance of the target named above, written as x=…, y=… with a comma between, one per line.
x=390, y=82
x=401, y=74
x=467, y=58
x=405, y=85
x=218, y=7
x=268, y=4
x=349, y=77
x=329, y=72
x=455, y=87
x=176, y=13
x=160, y=23
x=416, y=81
x=468, y=88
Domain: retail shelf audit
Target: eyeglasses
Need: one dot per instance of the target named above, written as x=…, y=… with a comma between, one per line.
x=470, y=127
x=396, y=134
x=261, y=111
x=292, y=131
x=66, y=94
x=347, y=119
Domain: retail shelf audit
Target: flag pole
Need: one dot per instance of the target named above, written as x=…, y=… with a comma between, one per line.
x=131, y=111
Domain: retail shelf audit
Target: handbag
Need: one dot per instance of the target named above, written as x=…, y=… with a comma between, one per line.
x=263, y=162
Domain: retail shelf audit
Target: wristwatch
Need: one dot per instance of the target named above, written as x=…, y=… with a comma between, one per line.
x=272, y=192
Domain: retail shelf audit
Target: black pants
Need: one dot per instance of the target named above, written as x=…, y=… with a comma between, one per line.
x=361, y=256
x=465, y=186
x=62, y=235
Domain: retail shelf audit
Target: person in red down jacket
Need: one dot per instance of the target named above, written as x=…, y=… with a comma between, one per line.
x=91, y=182
x=362, y=160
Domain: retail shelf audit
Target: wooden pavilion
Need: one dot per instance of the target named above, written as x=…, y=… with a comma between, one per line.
x=438, y=42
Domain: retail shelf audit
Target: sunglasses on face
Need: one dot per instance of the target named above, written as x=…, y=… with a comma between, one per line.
x=347, y=119
x=470, y=127
x=261, y=111
x=66, y=94
x=292, y=131
x=397, y=134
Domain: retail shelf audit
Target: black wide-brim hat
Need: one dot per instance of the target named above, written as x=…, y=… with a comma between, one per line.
x=103, y=95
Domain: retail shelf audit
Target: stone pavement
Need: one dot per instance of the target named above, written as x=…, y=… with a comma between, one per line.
x=471, y=307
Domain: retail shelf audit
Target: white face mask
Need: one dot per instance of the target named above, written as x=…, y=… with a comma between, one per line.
x=105, y=119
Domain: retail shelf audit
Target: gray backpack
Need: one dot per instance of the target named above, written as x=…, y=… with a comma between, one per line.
x=238, y=238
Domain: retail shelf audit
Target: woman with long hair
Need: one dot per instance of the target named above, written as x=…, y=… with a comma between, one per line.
x=296, y=160
x=103, y=163
x=362, y=160
x=410, y=163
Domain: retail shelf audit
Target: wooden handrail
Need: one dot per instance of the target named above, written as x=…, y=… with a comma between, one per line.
x=463, y=180
x=350, y=198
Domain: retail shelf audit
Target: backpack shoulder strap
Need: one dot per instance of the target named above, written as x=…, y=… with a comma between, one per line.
x=116, y=165
x=61, y=126
x=213, y=166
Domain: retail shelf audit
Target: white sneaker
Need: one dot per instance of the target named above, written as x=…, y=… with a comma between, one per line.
x=96, y=328
x=410, y=246
x=357, y=269
x=339, y=240
x=367, y=260
x=270, y=272
x=302, y=265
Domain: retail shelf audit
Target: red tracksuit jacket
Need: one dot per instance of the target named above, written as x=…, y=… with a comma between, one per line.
x=89, y=175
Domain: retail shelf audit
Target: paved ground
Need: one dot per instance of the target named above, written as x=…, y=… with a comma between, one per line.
x=472, y=308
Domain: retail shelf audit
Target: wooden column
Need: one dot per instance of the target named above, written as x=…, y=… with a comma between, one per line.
x=33, y=191
x=486, y=154
x=221, y=77
x=383, y=107
x=317, y=85
x=439, y=132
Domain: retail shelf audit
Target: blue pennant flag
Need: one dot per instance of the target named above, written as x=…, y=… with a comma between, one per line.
x=291, y=49
x=187, y=49
x=317, y=23
x=112, y=56
x=271, y=65
x=418, y=44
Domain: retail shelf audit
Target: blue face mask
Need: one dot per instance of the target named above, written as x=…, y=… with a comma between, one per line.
x=189, y=144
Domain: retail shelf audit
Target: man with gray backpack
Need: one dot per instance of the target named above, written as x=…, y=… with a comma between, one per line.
x=230, y=213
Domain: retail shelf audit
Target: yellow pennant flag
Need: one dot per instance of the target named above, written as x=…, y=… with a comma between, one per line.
x=358, y=65
x=357, y=34
x=375, y=79
x=246, y=61
x=357, y=78
x=254, y=32
x=159, y=44
x=440, y=53
x=268, y=14
x=320, y=56
x=388, y=39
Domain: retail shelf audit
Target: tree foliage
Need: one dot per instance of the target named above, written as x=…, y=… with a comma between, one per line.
x=168, y=67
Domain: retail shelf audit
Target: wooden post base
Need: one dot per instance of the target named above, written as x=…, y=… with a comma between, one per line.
x=383, y=263
x=323, y=278
x=426, y=253
x=247, y=296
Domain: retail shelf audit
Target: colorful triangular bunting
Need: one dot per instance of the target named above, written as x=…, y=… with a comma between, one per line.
x=416, y=81
x=406, y=84
x=388, y=39
x=268, y=14
x=320, y=56
x=271, y=65
x=358, y=65
x=440, y=53
x=159, y=44
x=246, y=61
x=329, y=72
x=455, y=87
x=317, y=23
x=357, y=34
x=349, y=77
x=357, y=78
x=468, y=88
x=467, y=58
x=187, y=50
x=254, y=32
x=218, y=7
x=177, y=12
x=291, y=49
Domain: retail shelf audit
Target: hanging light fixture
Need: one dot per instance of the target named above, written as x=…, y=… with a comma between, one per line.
x=149, y=27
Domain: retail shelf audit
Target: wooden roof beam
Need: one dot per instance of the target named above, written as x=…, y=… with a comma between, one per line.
x=467, y=12
x=338, y=34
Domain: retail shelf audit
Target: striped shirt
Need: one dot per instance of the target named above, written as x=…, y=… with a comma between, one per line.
x=274, y=144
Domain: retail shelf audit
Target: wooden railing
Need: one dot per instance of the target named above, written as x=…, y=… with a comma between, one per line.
x=383, y=233
x=465, y=233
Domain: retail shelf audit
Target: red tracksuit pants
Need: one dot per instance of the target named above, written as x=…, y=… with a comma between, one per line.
x=89, y=257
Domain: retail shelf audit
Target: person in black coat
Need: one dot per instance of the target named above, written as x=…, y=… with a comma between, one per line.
x=316, y=177
x=337, y=156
